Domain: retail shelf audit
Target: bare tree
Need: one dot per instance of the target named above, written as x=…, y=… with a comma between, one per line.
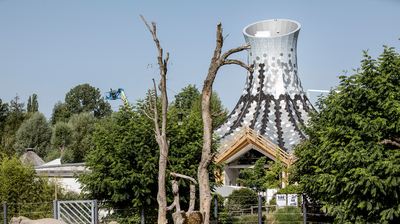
x=217, y=62
x=161, y=137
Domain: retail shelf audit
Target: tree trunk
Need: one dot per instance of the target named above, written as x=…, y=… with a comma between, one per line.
x=161, y=138
x=207, y=156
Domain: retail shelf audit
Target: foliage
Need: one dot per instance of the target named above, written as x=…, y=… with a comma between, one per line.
x=220, y=202
x=186, y=97
x=123, y=166
x=86, y=98
x=291, y=189
x=260, y=179
x=33, y=105
x=3, y=114
x=345, y=163
x=60, y=113
x=241, y=198
x=34, y=133
x=216, y=107
x=20, y=186
x=15, y=116
x=279, y=174
x=125, y=163
x=83, y=125
x=62, y=135
x=255, y=177
x=288, y=214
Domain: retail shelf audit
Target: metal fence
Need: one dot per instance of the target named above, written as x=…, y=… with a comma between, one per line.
x=67, y=211
x=241, y=210
x=74, y=212
x=254, y=209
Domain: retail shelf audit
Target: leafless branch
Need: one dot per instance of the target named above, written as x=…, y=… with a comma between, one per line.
x=237, y=62
x=234, y=50
x=387, y=141
x=219, y=114
x=145, y=113
x=226, y=37
x=184, y=177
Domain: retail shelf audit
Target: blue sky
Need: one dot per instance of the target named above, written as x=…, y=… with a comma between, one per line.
x=48, y=47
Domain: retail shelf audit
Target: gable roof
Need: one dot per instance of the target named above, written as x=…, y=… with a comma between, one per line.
x=246, y=139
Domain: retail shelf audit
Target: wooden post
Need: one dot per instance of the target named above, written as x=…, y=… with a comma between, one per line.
x=56, y=192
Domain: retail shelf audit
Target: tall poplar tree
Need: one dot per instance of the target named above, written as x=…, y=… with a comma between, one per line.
x=33, y=104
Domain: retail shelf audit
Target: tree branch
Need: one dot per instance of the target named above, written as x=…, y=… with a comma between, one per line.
x=219, y=114
x=209, y=159
x=387, y=141
x=184, y=177
x=234, y=50
x=147, y=115
x=237, y=62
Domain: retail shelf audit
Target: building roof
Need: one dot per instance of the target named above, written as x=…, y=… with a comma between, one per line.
x=30, y=156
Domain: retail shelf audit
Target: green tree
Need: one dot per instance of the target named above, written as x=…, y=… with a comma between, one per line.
x=60, y=113
x=86, y=98
x=277, y=176
x=124, y=164
x=83, y=126
x=62, y=135
x=34, y=133
x=186, y=98
x=3, y=115
x=19, y=184
x=3, y=118
x=16, y=114
x=124, y=170
x=33, y=104
x=351, y=160
x=242, y=198
x=216, y=108
x=255, y=178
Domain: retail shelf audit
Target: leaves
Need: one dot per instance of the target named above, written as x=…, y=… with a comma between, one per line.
x=343, y=163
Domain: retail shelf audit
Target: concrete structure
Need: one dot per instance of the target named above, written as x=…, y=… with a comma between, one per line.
x=273, y=104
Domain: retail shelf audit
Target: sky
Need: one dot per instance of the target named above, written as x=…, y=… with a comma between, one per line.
x=48, y=47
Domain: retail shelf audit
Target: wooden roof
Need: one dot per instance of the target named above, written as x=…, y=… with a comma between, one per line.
x=246, y=139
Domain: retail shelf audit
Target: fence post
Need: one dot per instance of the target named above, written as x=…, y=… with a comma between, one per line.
x=216, y=208
x=55, y=209
x=303, y=199
x=95, y=210
x=142, y=220
x=259, y=210
x=5, y=212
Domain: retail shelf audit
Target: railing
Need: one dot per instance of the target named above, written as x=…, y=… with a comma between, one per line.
x=77, y=211
x=247, y=133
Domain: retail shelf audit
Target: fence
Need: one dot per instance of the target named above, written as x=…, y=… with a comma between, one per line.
x=67, y=211
x=253, y=209
x=239, y=209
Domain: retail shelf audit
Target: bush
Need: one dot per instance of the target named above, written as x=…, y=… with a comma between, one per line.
x=291, y=189
x=241, y=198
x=221, y=207
x=288, y=214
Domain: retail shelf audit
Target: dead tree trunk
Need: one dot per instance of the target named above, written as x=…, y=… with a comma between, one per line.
x=161, y=137
x=207, y=157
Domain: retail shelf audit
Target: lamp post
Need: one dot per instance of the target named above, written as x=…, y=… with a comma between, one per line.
x=180, y=114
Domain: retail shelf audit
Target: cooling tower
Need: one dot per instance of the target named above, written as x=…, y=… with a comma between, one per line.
x=273, y=102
